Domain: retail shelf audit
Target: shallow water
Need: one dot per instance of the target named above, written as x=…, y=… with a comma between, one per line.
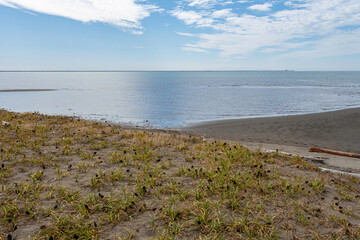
x=173, y=99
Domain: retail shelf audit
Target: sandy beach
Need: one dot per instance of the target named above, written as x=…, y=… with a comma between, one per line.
x=337, y=130
x=67, y=178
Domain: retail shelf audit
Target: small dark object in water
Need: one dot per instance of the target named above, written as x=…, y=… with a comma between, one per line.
x=9, y=237
x=101, y=196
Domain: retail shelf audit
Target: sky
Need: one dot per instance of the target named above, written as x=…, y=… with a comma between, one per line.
x=179, y=35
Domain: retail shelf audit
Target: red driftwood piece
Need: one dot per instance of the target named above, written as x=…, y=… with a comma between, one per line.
x=345, y=154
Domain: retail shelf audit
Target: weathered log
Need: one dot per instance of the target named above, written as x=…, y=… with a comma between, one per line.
x=345, y=154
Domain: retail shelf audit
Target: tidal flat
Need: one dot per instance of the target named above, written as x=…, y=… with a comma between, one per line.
x=67, y=178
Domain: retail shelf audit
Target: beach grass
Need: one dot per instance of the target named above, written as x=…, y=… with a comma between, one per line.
x=67, y=178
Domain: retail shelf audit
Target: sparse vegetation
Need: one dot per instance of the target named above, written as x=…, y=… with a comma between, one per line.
x=66, y=178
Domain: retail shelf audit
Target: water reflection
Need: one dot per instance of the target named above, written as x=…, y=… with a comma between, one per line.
x=170, y=99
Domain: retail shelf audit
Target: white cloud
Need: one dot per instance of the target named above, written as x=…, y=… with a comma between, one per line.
x=261, y=7
x=199, y=2
x=223, y=13
x=194, y=49
x=208, y=3
x=339, y=43
x=193, y=18
x=6, y=3
x=186, y=34
x=189, y=17
x=125, y=14
x=305, y=26
x=228, y=3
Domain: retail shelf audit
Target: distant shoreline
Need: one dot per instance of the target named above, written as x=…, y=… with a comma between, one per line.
x=27, y=90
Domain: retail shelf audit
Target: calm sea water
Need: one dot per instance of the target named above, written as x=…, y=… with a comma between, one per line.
x=173, y=99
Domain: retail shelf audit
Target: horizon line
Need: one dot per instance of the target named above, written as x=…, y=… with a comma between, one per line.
x=138, y=70
x=285, y=70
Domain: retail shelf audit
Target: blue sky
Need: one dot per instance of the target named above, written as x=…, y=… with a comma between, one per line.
x=179, y=35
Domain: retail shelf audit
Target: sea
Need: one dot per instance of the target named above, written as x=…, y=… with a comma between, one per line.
x=173, y=99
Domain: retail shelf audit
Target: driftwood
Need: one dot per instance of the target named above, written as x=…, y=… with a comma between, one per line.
x=345, y=154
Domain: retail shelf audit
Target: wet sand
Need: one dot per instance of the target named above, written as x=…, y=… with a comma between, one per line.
x=337, y=130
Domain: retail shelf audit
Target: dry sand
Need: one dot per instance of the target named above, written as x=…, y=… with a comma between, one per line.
x=66, y=178
x=337, y=130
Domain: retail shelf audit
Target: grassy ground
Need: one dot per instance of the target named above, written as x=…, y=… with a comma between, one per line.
x=66, y=178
